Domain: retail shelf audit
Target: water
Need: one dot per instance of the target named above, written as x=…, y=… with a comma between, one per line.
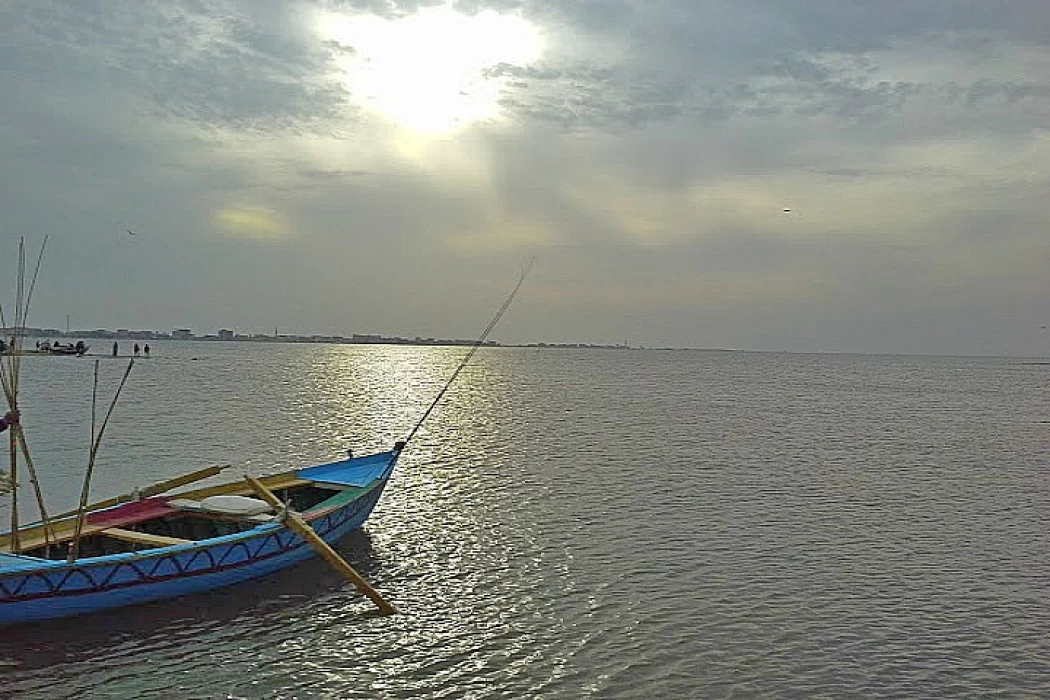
x=608, y=524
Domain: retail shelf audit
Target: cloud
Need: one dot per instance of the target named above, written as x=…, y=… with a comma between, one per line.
x=645, y=154
x=208, y=63
x=251, y=222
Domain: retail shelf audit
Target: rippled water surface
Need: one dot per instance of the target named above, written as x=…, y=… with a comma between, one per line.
x=609, y=524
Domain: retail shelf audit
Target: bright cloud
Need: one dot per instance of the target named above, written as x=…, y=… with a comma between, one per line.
x=251, y=222
x=427, y=71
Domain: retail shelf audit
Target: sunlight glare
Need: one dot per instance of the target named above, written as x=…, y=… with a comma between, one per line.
x=427, y=71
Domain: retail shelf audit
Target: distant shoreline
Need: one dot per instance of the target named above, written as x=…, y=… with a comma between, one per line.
x=231, y=337
x=358, y=339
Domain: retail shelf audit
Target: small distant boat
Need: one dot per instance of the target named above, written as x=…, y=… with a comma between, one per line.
x=77, y=349
x=63, y=350
x=164, y=546
x=69, y=349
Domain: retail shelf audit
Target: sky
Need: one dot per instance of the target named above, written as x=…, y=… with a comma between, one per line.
x=800, y=175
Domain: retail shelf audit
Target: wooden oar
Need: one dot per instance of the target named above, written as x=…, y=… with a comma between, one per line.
x=176, y=482
x=154, y=490
x=307, y=533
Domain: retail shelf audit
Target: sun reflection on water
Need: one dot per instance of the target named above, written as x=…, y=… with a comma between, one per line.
x=372, y=396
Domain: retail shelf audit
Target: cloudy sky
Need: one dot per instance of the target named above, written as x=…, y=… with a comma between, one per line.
x=818, y=175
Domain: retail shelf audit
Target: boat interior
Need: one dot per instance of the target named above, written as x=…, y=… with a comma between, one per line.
x=160, y=522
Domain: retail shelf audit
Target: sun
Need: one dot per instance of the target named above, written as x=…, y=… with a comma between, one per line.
x=428, y=71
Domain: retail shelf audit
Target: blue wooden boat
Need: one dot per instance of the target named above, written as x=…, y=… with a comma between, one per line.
x=166, y=546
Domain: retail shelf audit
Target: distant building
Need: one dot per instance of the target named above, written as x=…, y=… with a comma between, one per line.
x=181, y=334
x=225, y=334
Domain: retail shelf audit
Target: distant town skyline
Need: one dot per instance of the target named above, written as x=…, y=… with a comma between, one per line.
x=224, y=334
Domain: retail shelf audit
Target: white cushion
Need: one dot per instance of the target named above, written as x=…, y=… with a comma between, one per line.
x=184, y=504
x=235, y=505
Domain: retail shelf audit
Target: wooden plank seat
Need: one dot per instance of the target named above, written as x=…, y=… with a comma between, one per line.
x=142, y=537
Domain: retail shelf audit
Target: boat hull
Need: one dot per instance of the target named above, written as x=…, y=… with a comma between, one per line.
x=90, y=585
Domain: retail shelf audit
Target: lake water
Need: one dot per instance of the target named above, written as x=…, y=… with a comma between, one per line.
x=582, y=523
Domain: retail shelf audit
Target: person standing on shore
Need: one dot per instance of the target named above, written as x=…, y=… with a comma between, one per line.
x=114, y=348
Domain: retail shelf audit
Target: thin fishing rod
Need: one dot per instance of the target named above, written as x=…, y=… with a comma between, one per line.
x=474, y=348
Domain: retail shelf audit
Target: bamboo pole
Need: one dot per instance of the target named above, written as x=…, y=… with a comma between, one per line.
x=94, y=407
x=300, y=526
x=15, y=547
x=74, y=547
x=12, y=397
x=45, y=519
x=10, y=382
x=11, y=392
x=5, y=376
x=30, y=468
